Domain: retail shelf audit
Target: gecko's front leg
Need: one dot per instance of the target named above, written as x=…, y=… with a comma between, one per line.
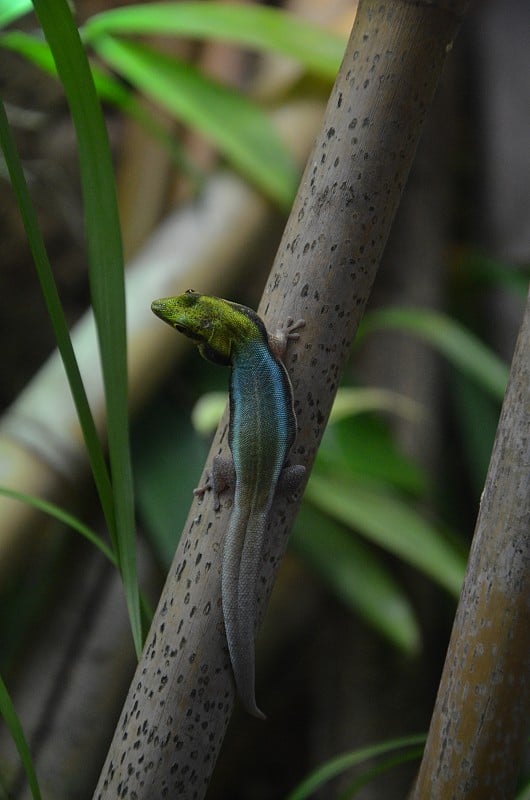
x=221, y=479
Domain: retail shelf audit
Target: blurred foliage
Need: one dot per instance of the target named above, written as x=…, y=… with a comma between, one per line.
x=238, y=127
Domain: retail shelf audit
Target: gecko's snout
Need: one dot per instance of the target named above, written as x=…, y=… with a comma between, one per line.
x=157, y=307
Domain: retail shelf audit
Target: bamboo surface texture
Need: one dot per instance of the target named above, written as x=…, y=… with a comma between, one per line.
x=480, y=722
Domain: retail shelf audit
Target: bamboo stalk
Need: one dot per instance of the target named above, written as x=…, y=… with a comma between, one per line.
x=480, y=721
x=179, y=704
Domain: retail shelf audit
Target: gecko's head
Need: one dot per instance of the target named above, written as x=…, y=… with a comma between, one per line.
x=213, y=324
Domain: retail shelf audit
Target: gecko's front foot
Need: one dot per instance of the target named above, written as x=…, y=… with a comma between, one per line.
x=221, y=477
x=287, y=333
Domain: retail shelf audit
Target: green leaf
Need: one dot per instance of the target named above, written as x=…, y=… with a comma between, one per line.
x=38, y=52
x=108, y=88
x=478, y=416
x=15, y=729
x=383, y=766
x=524, y=792
x=251, y=26
x=346, y=761
x=33, y=49
x=357, y=400
x=11, y=10
x=106, y=275
x=454, y=341
x=388, y=521
x=168, y=458
x=357, y=577
x=483, y=270
x=57, y=319
x=362, y=446
x=241, y=130
x=62, y=516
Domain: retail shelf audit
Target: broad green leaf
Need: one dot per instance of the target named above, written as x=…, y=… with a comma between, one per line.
x=11, y=10
x=106, y=273
x=454, y=341
x=388, y=521
x=252, y=26
x=14, y=727
x=241, y=130
x=357, y=577
x=344, y=762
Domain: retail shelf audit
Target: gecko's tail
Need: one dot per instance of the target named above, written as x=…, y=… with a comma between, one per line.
x=240, y=572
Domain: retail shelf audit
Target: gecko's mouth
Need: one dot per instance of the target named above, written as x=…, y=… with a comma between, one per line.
x=187, y=332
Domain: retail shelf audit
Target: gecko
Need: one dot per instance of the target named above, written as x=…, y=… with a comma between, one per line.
x=262, y=430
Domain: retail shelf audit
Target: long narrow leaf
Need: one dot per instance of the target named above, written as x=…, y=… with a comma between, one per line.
x=57, y=319
x=356, y=400
x=7, y=710
x=389, y=522
x=410, y=754
x=109, y=89
x=341, y=763
x=357, y=577
x=106, y=274
x=251, y=26
x=11, y=10
x=241, y=130
x=37, y=51
x=62, y=516
x=459, y=345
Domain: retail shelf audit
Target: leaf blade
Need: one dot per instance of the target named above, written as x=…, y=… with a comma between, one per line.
x=387, y=521
x=339, y=764
x=11, y=10
x=357, y=577
x=252, y=26
x=241, y=130
x=451, y=338
x=12, y=721
x=106, y=276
